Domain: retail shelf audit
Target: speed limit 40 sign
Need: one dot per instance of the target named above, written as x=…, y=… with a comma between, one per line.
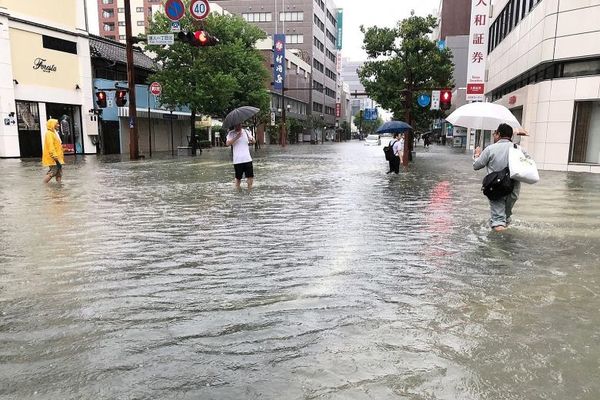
x=199, y=9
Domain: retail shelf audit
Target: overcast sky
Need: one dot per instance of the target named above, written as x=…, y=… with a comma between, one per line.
x=376, y=12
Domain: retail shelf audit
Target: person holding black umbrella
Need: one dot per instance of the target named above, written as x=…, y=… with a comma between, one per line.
x=240, y=138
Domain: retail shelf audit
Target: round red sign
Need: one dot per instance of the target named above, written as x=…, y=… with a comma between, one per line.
x=155, y=88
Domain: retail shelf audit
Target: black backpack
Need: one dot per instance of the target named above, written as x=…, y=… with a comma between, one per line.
x=389, y=150
x=497, y=184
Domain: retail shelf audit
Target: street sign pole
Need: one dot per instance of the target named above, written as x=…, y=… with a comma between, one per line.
x=133, y=132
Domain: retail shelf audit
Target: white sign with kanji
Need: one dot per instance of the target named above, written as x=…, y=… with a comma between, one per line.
x=478, y=43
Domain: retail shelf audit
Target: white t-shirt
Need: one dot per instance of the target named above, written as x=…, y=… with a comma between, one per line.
x=398, y=147
x=241, y=151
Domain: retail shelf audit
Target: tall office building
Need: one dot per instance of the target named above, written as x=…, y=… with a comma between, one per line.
x=111, y=17
x=311, y=29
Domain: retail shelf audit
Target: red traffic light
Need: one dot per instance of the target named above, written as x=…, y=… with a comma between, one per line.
x=101, y=99
x=445, y=99
x=201, y=37
x=120, y=98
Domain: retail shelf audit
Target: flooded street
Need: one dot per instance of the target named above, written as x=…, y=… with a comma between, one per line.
x=155, y=279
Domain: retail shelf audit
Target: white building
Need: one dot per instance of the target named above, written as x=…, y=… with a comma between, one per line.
x=544, y=64
x=45, y=72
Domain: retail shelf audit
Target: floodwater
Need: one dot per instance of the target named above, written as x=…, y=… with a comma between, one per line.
x=154, y=279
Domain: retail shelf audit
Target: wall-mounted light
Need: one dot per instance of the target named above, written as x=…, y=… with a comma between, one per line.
x=16, y=82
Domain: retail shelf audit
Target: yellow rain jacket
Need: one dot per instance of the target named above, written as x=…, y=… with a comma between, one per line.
x=52, y=145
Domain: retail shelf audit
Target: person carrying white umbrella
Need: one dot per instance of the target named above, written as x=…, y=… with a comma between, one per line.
x=490, y=116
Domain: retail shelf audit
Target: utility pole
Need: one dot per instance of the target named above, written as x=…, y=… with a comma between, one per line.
x=133, y=132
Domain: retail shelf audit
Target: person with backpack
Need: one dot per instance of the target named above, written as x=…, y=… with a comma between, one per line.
x=389, y=153
x=495, y=159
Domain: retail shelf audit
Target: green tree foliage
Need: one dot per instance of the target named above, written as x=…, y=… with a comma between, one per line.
x=367, y=127
x=211, y=80
x=404, y=62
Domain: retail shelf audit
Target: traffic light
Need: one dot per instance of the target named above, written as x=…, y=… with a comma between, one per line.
x=198, y=39
x=101, y=99
x=445, y=99
x=120, y=98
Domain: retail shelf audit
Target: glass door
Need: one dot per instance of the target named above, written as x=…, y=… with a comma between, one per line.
x=69, y=118
x=30, y=134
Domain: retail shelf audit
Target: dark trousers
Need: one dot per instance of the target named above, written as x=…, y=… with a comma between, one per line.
x=395, y=164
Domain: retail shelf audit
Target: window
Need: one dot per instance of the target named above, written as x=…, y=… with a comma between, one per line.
x=108, y=27
x=53, y=43
x=257, y=17
x=321, y=4
x=108, y=13
x=107, y=1
x=331, y=37
x=330, y=74
x=318, y=86
x=585, y=138
x=318, y=107
x=139, y=9
x=121, y=37
x=293, y=16
x=330, y=55
x=121, y=23
x=329, y=110
x=331, y=18
x=581, y=68
x=318, y=44
x=330, y=92
x=317, y=65
x=112, y=37
x=121, y=10
x=319, y=23
x=140, y=23
x=294, y=39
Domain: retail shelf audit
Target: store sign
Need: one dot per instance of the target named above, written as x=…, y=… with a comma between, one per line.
x=340, y=30
x=278, y=61
x=338, y=110
x=478, y=40
x=40, y=64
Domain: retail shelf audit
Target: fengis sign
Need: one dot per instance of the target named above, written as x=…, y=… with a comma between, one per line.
x=40, y=64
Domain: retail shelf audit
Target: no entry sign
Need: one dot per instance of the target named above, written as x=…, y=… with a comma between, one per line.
x=155, y=88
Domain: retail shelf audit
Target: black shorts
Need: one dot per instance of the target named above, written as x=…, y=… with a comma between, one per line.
x=243, y=169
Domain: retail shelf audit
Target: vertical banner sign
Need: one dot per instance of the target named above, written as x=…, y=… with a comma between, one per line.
x=435, y=99
x=340, y=23
x=478, y=41
x=278, y=61
x=338, y=110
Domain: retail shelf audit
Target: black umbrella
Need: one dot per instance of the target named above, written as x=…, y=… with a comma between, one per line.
x=239, y=115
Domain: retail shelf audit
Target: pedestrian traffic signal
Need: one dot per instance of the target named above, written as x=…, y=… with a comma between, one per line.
x=445, y=99
x=198, y=39
x=120, y=98
x=101, y=99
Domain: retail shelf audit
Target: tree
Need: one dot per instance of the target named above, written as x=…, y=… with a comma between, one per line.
x=404, y=62
x=367, y=127
x=211, y=80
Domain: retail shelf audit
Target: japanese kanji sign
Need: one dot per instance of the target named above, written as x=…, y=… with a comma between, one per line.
x=278, y=61
x=478, y=43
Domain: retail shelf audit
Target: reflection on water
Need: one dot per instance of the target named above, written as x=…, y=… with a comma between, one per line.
x=155, y=279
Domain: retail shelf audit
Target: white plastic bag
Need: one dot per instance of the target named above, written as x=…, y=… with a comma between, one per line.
x=522, y=167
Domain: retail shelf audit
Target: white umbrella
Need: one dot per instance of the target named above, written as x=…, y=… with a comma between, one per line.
x=486, y=116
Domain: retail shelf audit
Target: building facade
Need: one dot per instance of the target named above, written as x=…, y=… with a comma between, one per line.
x=111, y=17
x=544, y=65
x=310, y=27
x=45, y=73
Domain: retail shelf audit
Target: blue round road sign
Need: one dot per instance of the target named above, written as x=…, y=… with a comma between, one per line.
x=174, y=9
x=423, y=100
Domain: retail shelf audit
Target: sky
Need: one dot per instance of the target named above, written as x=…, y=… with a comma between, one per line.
x=383, y=13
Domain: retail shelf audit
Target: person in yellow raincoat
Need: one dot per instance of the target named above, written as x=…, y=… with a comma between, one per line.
x=53, y=155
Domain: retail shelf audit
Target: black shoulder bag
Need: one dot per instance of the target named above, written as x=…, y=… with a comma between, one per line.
x=497, y=184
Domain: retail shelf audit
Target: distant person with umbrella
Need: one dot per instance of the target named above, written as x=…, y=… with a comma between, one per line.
x=240, y=138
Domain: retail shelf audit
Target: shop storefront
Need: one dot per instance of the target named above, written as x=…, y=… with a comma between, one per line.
x=48, y=76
